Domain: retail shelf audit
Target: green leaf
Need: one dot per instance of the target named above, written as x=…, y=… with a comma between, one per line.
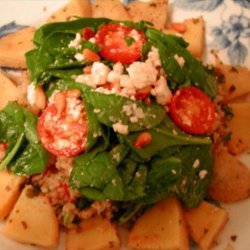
x=109, y=110
x=25, y=154
x=97, y=172
x=69, y=27
x=137, y=186
x=193, y=187
x=118, y=153
x=12, y=152
x=163, y=136
x=129, y=40
x=192, y=71
x=162, y=178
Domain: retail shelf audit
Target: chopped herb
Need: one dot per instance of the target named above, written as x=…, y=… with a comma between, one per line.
x=227, y=137
x=234, y=238
x=228, y=111
x=129, y=40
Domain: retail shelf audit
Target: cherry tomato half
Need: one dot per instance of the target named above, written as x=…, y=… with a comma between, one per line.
x=112, y=40
x=63, y=133
x=192, y=110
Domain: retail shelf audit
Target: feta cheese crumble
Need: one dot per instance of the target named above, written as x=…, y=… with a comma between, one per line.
x=120, y=128
x=161, y=91
x=202, y=174
x=31, y=94
x=180, y=60
x=79, y=57
x=76, y=43
x=139, y=75
x=196, y=163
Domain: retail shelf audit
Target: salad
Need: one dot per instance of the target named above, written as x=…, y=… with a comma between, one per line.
x=128, y=119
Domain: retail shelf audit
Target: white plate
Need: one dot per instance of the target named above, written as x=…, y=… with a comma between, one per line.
x=227, y=29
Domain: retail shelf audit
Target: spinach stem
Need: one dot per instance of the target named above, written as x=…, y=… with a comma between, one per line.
x=12, y=153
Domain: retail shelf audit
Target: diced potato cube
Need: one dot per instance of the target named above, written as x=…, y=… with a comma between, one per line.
x=234, y=80
x=230, y=180
x=95, y=233
x=239, y=127
x=153, y=11
x=112, y=9
x=9, y=91
x=205, y=223
x=10, y=187
x=32, y=220
x=194, y=35
x=71, y=10
x=160, y=227
x=14, y=46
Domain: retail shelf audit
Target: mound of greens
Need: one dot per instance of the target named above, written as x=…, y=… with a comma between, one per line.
x=112, y=168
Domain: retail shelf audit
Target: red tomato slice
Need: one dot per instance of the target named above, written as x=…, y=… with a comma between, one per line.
x=63, y=133
x=192, y=110
x=111, y=38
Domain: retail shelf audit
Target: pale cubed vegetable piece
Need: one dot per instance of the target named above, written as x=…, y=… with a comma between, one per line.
x=204, y=223
x=194, y=35
x=153, y=11
x=32, y=220
x=231, y=178
x=234, y=81
x=239, y=127
x=10, y=187
x=74, y=8
x=96, y=233
x=160, y=227
x=112, y=9
x=21, y=80
x=14, y=46
x=9, y=91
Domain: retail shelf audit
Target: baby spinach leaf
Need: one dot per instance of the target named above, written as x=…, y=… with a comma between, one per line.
x=25, y=154
x=110, y=110
x=12, y=152
x=70, y=27
x=118, y=153
x=162, y=178
x=31, y=59
x=195, y=179
x=136, y=187
x=192, y=70
x=96, y=171
x=94, y=128
x=163, y=136
x=11, y=124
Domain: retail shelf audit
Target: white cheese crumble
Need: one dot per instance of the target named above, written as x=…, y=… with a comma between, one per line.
x=92, y=40
x=196, y=163
x=76, y=43
x=173, y=171
x=154, y=57
x=135, y=113
x=135, y=35
x=161, y=91
x=180, y=60
x=202, y=174
x=142, y=74
x=139, y=75
x=99, y=73
x=31, y=94
x=114, y=76
x=79, y=57
x=96, y=111
x=120, y=128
